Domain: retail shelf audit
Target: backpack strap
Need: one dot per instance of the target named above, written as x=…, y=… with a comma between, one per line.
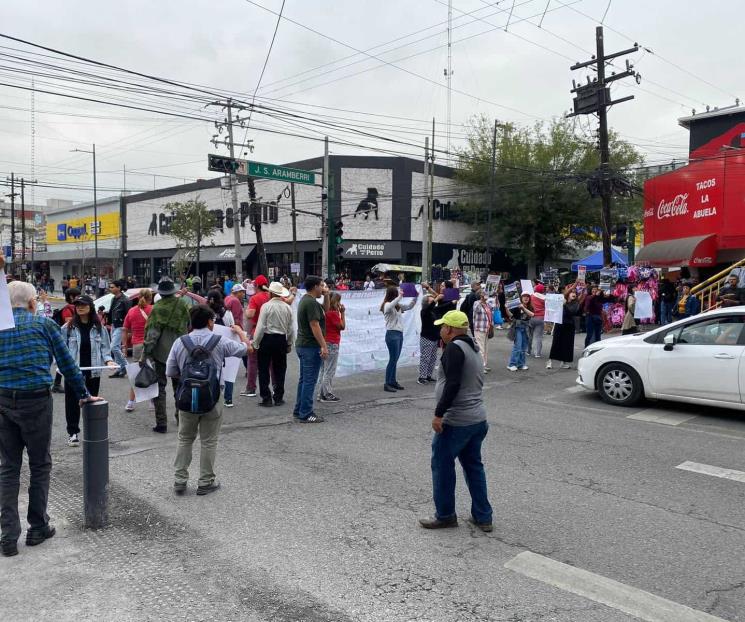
x=188, y=343
x=212, y=343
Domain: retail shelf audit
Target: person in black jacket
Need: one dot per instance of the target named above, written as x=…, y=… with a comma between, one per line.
x=470, y=300
x=120, y=304
x=429, y=340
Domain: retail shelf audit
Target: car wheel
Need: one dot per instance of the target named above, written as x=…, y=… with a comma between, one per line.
x=619, y=384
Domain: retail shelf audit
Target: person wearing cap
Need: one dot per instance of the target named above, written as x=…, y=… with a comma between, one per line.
x=167, y=322
x=120, y=305
x=89, y=346
x=196, y=286
x=272, y=341
x=234, y=302
x=253, y=311
x=65, y=316
x=26, y=353
x=460, y=426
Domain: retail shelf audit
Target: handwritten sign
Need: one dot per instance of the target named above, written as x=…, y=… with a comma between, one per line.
x=554, y=308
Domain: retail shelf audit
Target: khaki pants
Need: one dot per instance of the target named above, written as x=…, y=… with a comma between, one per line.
x=208, y=427
x=482, y=340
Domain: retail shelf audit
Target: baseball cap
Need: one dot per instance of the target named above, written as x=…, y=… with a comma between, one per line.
x=455, y=319
x=237, y=288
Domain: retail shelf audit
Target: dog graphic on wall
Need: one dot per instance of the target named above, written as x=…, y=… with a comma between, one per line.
x=368, y=204
x=454, y=263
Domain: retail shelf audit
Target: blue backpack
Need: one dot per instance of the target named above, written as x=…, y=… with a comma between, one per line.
x=198, y=390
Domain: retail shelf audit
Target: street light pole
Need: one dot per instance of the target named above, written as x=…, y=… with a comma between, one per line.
x=96, y=225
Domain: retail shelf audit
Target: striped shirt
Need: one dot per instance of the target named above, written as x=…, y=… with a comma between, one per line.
x=26, y=353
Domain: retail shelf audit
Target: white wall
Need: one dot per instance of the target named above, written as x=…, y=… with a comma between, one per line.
x=355, y=183
x=445, y=190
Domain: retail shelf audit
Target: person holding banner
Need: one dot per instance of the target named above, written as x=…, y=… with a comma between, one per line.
x=393, y=310
x=89, y=346
x=520, y=316
x=536, y=324
x=134, y=323
x=562, y=346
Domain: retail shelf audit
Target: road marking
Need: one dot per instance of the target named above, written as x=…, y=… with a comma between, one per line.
x=597, y=588
x=653, y=415
x=714, y=471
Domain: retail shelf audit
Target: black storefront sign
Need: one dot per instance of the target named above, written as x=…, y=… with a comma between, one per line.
x=268, y=213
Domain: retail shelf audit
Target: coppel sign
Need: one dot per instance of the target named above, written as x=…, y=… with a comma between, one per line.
x=65, y=231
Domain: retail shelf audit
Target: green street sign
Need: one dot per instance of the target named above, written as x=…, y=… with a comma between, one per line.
x=282, y=173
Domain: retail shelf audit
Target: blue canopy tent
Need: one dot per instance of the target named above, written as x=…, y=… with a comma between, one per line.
x=595, y=261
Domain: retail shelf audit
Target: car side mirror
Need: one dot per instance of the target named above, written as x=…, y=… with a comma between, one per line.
x=669, y=342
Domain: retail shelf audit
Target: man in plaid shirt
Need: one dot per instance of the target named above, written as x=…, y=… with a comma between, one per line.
x=26, y=353
x=482, y=323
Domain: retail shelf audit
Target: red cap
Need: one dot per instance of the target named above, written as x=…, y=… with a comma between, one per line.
x=261, y=282
x=539, y=288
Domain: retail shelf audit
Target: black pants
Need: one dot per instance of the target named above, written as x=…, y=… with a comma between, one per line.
x=72, y=403
x=24, y=423
x=272, y=355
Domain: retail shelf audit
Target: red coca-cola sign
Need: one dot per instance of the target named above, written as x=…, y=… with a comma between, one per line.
x=677, y=207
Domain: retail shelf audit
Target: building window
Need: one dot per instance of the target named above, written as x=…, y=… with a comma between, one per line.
x=141, y=269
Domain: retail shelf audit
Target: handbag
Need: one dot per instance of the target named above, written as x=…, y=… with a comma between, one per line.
x=490, y=332
x=497, y=317
x=146, y=377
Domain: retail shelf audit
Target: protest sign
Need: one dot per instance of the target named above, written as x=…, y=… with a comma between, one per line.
x=554, y=308
x=408, y=290
x=492, y=284
x=6, y=312
x=511, y=296
x=608, y=277
x=581, y=273
x=526, y=286
x=644, y=308
x=232, y=364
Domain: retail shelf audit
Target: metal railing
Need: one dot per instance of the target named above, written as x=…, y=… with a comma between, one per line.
x=708, y=291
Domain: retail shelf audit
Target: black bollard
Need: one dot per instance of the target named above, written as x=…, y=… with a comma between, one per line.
x=96, y=464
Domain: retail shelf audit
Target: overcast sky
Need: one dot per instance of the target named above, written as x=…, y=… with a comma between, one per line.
x=519, y=75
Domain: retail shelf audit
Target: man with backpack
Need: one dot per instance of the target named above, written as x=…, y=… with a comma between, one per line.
x=61, y=317
x=195, y=362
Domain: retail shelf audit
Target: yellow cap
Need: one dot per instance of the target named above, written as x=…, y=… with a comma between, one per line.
x=455, y=319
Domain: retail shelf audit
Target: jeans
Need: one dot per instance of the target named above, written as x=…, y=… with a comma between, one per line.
x=227, y=391
x=394, y=339
x=666, y=312
x=326, y=377
x=464, y=443
x=535, y=329
x=72, y=402
x=594, y=329
x=208, y=426
x=517, y=358
x=116, y=348
x=272, y=359
x=310, y=366
x=24, y=423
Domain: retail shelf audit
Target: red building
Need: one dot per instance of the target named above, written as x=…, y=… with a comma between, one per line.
x=695, y=215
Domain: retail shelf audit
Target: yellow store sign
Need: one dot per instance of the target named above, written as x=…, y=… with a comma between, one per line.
x=77, y=230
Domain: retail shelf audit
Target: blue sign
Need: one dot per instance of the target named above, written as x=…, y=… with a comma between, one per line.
x=62, y=233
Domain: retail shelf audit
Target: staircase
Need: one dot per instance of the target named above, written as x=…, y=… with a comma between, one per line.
x=708, y=291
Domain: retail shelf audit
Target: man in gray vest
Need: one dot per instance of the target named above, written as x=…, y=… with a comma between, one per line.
x=460, y=426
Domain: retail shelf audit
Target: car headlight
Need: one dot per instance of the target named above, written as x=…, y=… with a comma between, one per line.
x=589, y=352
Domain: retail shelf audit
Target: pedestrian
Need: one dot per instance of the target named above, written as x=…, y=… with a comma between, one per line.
x=429, y=339
x=471, y=299
x=227, y=286
x=520, y=316
x=688, y=305
x=234, y=302
x=166, y=323
x=460, y=427
x=629, y=326
x=196, y=286
x=43, y=306
x=393, y=311
x=120, y=305
x=200, y=411
x=369, y=284
x=26, y=353
x=89, y=346
x=272, y=342
x=593, y=308
x=335, y=323
x=252, y=318
x=310, y=346
x=134, y=328
x=102, y=285
x=667, y=300
x=483, y=328
x=562, y=344
x=536, y=324
x=223, y=317
x=61, y=317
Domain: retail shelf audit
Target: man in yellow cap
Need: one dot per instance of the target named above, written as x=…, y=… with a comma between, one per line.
x=460, y=426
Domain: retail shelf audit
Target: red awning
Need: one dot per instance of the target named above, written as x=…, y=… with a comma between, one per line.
x=699, y=250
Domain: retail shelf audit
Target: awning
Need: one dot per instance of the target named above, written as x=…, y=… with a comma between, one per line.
x=389, y=267
x=594, y=262
x=699, y=250
x=212, y=253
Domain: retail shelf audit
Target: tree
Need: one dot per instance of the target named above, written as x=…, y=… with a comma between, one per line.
x=542, y=206
x=191, y=223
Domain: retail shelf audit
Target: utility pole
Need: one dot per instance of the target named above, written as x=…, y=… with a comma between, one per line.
x=96, y=225
x=325, y=220
x=23, y=224
x=234, y=200
x=491, y=191
x=594, y=98
x=426, y=259
x=295, y=258
x=12, y=196
x=430, y=203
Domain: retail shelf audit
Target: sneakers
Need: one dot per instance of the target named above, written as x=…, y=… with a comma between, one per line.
x=205, y=490
x=73, y=441
x=436, y=523
x=130, y=406
x=228, y=404
x=179, y=488
x=37, y=536
x=8, y=548
x=389, y=389
x=549, y=365
x=487, y=370
x=565, y=366
x=421, y=381
x=312, y=419
x=485, y=527
x=537, y=356
x=248, y=393
x=329, y=397
x=512, y=367
x=524, y=367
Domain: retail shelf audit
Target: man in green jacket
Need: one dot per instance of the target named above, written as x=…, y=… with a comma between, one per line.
x=168, y=321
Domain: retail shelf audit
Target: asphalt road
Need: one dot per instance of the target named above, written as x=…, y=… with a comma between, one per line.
x=593, y=521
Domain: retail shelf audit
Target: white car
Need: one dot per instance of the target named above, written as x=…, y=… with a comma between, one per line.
x=700, y=360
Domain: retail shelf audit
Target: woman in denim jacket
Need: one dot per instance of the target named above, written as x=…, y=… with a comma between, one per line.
x=90, y=346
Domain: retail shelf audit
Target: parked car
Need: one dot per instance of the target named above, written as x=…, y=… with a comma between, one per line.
x=700, y=360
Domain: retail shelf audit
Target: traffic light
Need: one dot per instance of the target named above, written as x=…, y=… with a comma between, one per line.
x=222, y=164
x=338, y=240
x=620, y=236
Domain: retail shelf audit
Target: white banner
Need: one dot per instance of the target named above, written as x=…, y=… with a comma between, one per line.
x=644, y=308
x=232, y=364
x=554, y=308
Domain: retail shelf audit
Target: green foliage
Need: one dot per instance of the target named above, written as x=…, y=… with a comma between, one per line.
x=542, y=207
x=192, y=223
